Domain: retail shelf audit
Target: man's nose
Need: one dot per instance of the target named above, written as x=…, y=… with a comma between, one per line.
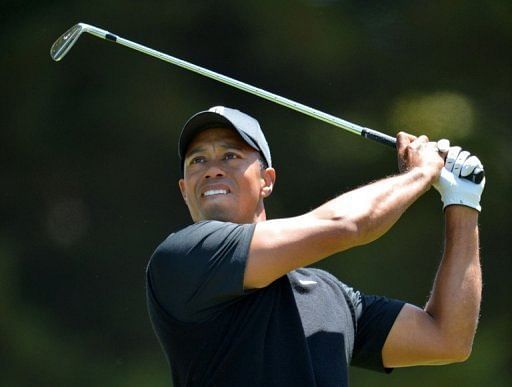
x=214, y=170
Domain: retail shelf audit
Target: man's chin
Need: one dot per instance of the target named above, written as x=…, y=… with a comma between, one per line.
x=220, y=214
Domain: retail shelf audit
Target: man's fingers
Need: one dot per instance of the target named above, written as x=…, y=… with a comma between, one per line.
x=403, y=139
x=432, y=146
x=451, y=157
x=421, y=139
x=461, y=159
x=419, y=142
x=471, y=165
x=404, y=136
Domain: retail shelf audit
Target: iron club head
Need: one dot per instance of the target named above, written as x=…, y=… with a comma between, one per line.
x=64, y=43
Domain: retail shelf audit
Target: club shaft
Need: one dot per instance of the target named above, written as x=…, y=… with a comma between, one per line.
x=62, y=45
x=319, y=115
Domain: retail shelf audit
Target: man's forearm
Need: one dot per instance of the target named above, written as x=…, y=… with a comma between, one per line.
x=373, y=209
x=352, y=219
x=455, y=300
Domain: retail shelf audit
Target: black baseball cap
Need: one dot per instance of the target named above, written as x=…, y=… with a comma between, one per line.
x=219, y=116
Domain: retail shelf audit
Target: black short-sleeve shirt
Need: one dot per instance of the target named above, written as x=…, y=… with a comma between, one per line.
x=304, y=329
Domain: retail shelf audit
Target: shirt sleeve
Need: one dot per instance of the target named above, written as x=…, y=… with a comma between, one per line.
x=199, y=270
x=375, y=317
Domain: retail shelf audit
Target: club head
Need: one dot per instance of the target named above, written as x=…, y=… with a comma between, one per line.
x=64, y=43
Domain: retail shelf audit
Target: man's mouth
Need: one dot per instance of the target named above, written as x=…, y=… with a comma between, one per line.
x=215, y=192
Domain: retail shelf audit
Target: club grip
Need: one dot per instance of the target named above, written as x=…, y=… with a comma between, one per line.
x=377, y=136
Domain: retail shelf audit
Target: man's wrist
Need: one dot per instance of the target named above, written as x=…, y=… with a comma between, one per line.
x=426, y=175
x=461, y=213
x=461, y=225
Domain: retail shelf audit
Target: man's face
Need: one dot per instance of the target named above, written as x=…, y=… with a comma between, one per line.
x=224, y=179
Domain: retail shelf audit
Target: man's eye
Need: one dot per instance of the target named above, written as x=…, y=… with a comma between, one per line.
x=230, y=156
x=198, y=160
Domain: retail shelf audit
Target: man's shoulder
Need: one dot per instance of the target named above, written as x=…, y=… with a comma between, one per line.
x=200, y=238
x=199, y=268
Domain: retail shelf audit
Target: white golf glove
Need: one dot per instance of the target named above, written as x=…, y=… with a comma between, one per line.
x=452, y=185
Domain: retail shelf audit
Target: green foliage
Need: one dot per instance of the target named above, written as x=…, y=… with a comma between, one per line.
x=89, y=164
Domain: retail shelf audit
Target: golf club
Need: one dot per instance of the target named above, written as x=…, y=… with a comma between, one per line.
x=66, y=41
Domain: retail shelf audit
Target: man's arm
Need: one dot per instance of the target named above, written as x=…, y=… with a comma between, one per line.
x=352, y=219
x=443, y=332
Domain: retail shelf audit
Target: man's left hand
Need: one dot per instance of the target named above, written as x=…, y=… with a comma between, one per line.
x=453, y=187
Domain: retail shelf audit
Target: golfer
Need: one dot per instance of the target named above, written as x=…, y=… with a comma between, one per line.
x=231, y=298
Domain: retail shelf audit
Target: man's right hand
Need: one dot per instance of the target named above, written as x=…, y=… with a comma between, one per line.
x=418, y=152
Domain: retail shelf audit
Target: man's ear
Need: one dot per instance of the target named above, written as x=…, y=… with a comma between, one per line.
x=183, y=190
x=269, y=179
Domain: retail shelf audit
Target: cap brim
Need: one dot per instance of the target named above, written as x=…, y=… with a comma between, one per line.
x=207, y=120
x=199, y=122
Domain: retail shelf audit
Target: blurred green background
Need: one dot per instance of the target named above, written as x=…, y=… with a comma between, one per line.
x=89, y=165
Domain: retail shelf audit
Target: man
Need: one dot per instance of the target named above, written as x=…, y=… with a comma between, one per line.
x=231, y=300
